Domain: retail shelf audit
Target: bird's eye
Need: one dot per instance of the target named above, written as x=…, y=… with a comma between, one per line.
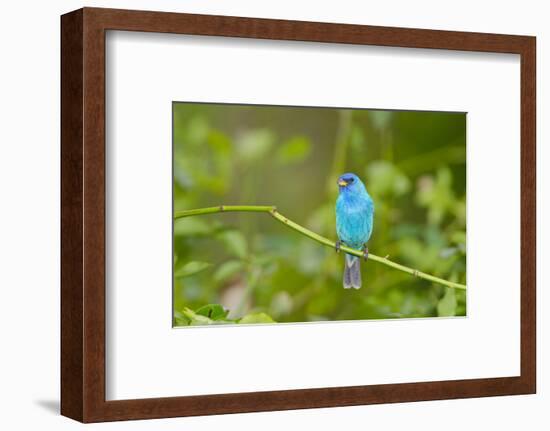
x=351, y=180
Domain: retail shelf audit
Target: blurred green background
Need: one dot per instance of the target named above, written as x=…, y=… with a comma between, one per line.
x=249, y=268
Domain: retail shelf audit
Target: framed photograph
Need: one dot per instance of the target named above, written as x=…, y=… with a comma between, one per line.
x=268, y=215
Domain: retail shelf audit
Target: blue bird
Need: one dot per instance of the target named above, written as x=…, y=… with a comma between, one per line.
x=354, y=221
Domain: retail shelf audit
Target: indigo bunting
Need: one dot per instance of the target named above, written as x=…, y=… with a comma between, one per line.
x=354, y=220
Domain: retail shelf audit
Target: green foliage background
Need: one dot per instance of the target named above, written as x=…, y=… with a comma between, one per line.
x=247, y=268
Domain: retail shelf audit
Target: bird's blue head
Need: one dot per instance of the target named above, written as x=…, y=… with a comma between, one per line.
x=350, y=183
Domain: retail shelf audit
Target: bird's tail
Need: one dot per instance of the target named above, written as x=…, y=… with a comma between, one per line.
x=352, y=272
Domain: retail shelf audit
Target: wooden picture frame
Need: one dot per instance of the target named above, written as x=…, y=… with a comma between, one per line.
x=83, y=214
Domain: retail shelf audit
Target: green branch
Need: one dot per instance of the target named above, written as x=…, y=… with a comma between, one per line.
x=310, y=234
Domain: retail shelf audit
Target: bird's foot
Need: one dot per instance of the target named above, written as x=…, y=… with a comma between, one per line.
x=337, y=246
x=365, y=253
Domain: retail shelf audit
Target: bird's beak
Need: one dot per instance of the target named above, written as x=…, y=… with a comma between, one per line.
x=342, y=183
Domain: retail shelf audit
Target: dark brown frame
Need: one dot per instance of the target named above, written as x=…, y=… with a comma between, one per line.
x=83, y=214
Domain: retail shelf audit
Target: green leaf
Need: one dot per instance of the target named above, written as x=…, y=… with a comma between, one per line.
x=256, y=318
x=188, y=317
x=180, y=319
x=194, y=318
x=191, y=268
x=295, y=150
x=447, y=304
x=215, y=314
x=227, y=270
x=213, y=311
x=234, y=242
x=224, y=322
